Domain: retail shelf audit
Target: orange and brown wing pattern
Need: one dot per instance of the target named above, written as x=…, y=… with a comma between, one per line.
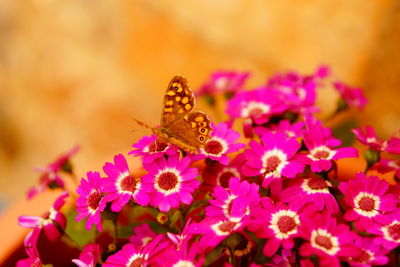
x=192, y=132
x=178, y=101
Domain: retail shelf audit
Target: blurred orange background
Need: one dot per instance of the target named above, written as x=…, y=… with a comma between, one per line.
x=76, y=72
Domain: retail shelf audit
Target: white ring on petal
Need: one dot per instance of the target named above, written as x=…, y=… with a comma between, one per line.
x=278, y=170
x=306, y=188
x=331, y=153
x=183, y=263
x=250, y=106
x=119, y=181
x=275, y=220
x=334, y=241
x=223, y=143
x=365, y=213
x=386, y=234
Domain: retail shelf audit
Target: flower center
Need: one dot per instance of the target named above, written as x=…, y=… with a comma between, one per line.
x=321, y=154
x=129, y=183
x=213, y=147
x=94, y=200
x=226, y=226
x=254, y=109
x=286, y=224
x=222, y=83
x=323, y=241
x=225, y=177
x=394, y=231
x=363, y=257
x=271, y=164
x=316, y=183
x=167, y=181
x=46, y=215
x=157, y=146
x=366, y=203
x=136, y=262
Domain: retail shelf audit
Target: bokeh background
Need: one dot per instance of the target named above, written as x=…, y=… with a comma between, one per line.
x=76, y=72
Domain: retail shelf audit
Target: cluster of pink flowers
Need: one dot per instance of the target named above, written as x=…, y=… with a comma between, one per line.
x=267, y=197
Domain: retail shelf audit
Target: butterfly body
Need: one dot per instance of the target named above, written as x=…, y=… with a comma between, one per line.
x=180, y=125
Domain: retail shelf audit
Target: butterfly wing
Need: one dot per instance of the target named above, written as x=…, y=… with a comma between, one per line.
x=178, y=102
x=191, y=132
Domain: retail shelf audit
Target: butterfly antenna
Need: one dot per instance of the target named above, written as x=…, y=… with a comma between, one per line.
x=143, y=124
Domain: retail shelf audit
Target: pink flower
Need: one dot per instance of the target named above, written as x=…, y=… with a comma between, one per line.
x=222, y=142
x=353, y=97
x=298, y=92
x=368, y=137
x=370, y=253
x=387, y=230
x=223, y=81
x=171, y=182
x=216, y=229
x=223, y=200
x=33, y=259
x=387, y=165
x=192, y=255
x=181, y=240
x=286, y=258
x=219, y=174
x=367, y=198
x=130, y=255
x=150, y=148
x=321, y=153
x=327, y=240
x=143, y=234
x=91, y=201
x=52, y=222
x=257, y=105
x=30, y=244
x=279, y=223
x=273, y=158
x=312, y=189
x=393, y=145
x=291, y=130
x=89, y=256
x=123, y=186
x=50, y=177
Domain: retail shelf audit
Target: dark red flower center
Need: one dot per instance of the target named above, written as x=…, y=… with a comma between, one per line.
x=286, y=224
x=363, y=257
x=93, y=200
x=394, y=231
x=225, y=177
x=367, y=203
x=323, y=241
x=317, y=183
x=321, y=154
x=271, y=163
x=226, y=226
x=136, y=263
x=129, y=183
x=213, y=147
x=254, y=112
x=157, y=146
x=167, y=181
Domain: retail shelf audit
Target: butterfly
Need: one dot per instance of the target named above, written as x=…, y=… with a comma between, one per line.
x=180, y=125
